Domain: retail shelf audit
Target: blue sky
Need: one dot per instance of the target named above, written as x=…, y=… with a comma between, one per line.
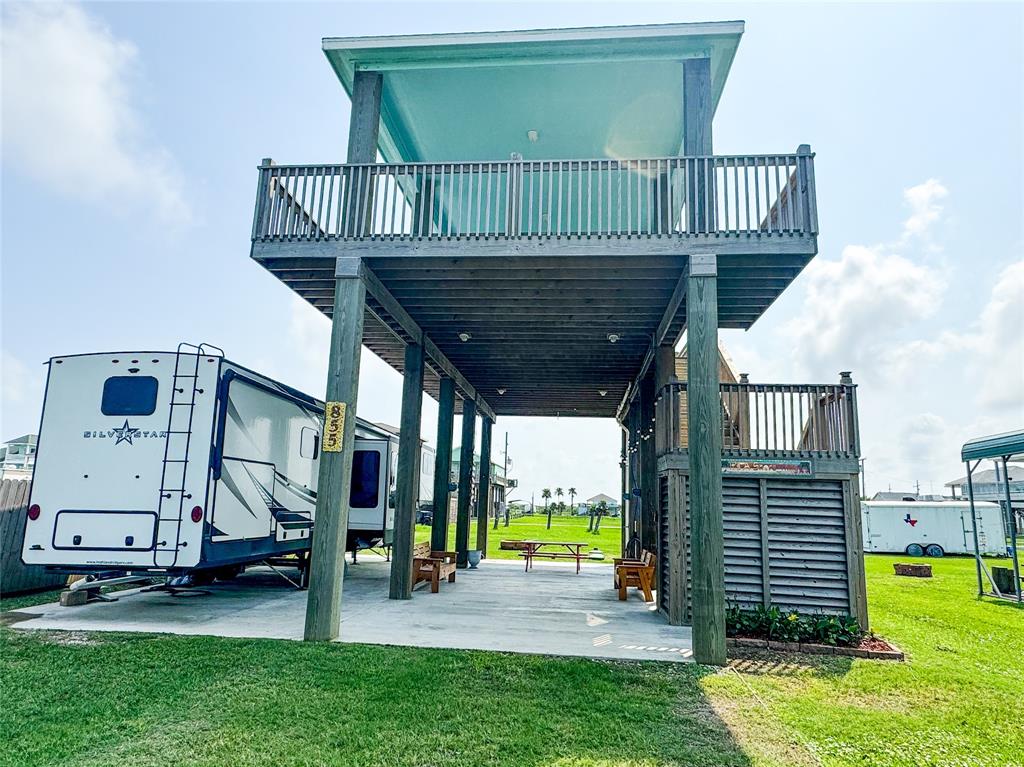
x=131, y=133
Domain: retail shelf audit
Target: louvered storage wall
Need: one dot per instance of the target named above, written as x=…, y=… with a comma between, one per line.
x=807, y=545
x=741, y=520
x=806, y=542
x=741, y=516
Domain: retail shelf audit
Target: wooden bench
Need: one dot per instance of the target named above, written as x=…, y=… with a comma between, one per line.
x=636, y=573
x=432, y=566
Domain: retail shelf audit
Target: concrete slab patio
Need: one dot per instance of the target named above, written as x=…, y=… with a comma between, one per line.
x=550, y=610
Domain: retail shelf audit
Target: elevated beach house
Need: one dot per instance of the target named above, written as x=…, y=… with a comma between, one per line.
x=525, y=224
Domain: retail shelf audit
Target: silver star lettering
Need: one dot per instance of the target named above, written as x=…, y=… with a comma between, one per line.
x=125, y=434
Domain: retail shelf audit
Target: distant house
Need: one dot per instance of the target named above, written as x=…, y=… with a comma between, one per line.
x=613, y=506
x=989, y=486
x=18, y=457
x=909, y=495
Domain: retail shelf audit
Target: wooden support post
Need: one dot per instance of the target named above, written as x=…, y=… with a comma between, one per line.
x=633, y=468
x=697, y=106
x=330, y=534
x=465, y=483
x=624, y=494
x=327, y=560
x=363, y=132
x=766, y=570
x=664, y=374
x=856, y=580
x=443, y=465
x=648, y=467
x=483, y=491
x=705, y=452
x=364, y=123
x=407, y=477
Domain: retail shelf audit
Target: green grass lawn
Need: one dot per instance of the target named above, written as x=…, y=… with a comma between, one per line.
x=570, y=529
x=141, y=700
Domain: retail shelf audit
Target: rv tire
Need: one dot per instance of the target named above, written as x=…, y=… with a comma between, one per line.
x=228, y=573
x=934, y=550
x=202, y=577
x=915, y=550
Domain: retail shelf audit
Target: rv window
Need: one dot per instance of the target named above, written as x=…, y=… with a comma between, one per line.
x=365, y=480
x=309, y=443
x=129, y=395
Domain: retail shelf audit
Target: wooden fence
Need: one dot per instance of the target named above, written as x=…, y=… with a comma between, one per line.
x=16, y=578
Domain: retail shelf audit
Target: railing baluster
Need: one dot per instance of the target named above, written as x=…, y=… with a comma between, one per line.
x=757, y=198
x=590, y=192
x=551, y=185
x=459, y=205
x=292, y=220
x=273, y=191
x=529, y=211
x=326, y=224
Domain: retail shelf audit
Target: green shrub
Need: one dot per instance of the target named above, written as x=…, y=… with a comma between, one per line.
x=791, y=626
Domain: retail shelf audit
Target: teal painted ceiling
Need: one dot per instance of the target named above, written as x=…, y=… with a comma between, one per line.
x=586, y=93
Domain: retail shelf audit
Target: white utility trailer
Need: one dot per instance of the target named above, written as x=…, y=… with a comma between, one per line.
x=920, y=528
x=172, y=462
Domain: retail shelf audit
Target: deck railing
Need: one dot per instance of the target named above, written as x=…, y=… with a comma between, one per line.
x=773, y=420
x=660, y=197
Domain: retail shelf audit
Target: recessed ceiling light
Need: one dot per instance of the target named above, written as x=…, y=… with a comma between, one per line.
x=613, y=337
x=464, y=336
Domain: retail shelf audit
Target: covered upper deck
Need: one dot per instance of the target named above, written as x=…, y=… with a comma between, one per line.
x=563, y=94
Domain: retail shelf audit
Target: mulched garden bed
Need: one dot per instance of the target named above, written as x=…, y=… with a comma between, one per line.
x=869, y=647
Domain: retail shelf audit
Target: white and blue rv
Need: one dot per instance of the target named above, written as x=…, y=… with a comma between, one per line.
x=177, y=462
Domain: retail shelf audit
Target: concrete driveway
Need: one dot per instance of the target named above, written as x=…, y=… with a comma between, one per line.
x=551, y=610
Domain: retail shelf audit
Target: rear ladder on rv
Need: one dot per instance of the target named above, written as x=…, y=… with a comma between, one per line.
x=174, y=495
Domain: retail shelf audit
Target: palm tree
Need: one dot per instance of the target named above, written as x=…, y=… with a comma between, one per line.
x=546, y=494
x=572, y=495
x=602, y=509
x=558, y=492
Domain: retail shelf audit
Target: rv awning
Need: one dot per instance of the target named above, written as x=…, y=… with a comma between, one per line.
x=592, y=93
x=1010, y=444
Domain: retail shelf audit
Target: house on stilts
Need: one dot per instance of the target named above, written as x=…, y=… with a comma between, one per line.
x=526, y=223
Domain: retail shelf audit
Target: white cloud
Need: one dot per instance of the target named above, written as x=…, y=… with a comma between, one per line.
x=999, y=343
x=68, y=114
x=925, y=201
x=990, y=353
x=855, y=305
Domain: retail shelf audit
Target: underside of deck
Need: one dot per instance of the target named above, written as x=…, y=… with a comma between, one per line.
x=539, y=325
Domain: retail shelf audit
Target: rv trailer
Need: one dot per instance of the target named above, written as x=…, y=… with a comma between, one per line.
x=171, y=462
x=931, y=528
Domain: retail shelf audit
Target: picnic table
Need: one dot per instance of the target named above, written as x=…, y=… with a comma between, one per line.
x=562, y=550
